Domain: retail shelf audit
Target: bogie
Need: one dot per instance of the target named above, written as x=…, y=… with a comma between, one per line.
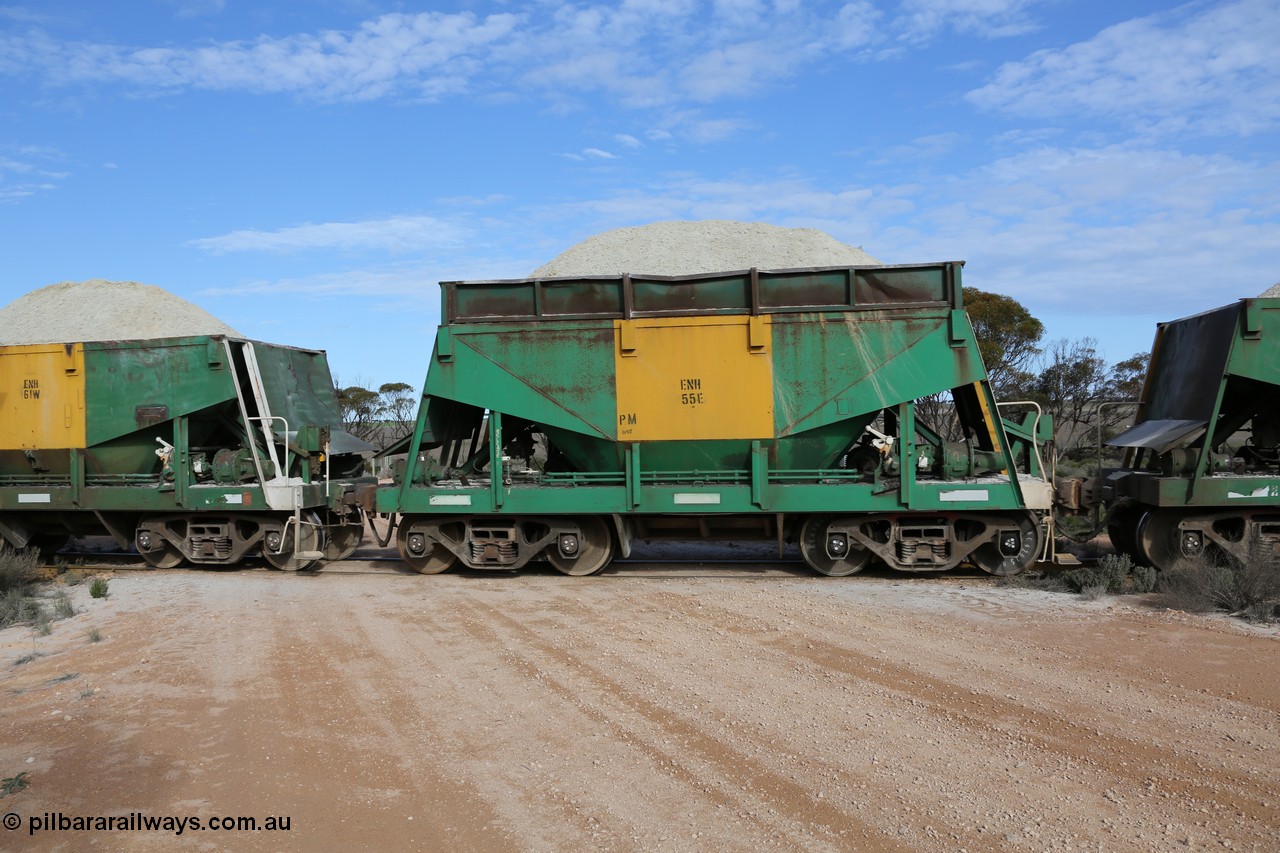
x=286, y=543
x=1171, y=538
x=577, y=545
x=998, y=543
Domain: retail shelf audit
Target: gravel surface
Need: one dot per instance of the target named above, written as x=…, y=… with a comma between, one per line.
x=1273, y=290
x=712, y=245
x=625, y=712
x=98, y=310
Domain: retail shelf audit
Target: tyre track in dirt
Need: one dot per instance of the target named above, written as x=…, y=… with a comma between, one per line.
x=545, y=713
x=379, y=718
x=1128, y=761
x=1068, y=741
x=645, y=724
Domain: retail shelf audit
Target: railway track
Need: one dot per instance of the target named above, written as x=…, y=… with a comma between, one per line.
x=621, y=569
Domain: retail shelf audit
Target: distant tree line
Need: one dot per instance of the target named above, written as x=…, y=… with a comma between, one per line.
x=1067, y=378
x=380, y=417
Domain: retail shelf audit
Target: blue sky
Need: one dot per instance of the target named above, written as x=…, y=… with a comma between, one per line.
x=307, y=171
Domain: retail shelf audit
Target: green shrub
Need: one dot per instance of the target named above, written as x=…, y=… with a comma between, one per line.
x=11, y=604
x=1145, y=579
x=62, y=605
x=1106, y=577
x=13, y=784
x=1217, y=582
x=1093, y=593
x=98, y=589
x=18, y=569
x=1196, y=586
x=1034, y=579
x=16, y=607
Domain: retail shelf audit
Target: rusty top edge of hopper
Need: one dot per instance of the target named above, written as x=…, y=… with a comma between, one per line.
x=701, y=275
x=845, y=288
x=158, y=343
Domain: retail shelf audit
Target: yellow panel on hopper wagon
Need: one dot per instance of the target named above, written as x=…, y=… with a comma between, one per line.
x=694, y=378
x=42, y=396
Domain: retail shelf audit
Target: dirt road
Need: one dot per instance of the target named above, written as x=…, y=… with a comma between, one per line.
x=539, y=712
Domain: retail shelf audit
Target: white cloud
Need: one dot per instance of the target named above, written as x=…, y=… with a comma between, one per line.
x=395, y=234
x=854, y=25
x=396, y=282
x=627, y=140
x=15, y=166
x=643, y=53
x=923, y=147
x=1114, y=230
x=29, y=169
x=693, y=126
x=1209, y=68
x=739, y=13
x=846, y=212
x=197, y=8
x=640, y=54
x=24, y=15
x=428, y=54
x=588, y=154
x=922, y=20
x=713, y=130
x=735, y=70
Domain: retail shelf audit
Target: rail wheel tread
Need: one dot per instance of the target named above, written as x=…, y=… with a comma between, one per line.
x=991, y=559
x=167, y=557
x=310, y=536
x=813, y=547
x=595, y=548
x=438, y=559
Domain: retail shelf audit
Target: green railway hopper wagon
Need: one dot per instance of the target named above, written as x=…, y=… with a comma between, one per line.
x=1201, y=476
x=203, y=449
x=564, y=418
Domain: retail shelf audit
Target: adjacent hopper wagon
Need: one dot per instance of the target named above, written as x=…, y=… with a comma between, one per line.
x=1201, y=477
x=563, y=418
x=202, y=449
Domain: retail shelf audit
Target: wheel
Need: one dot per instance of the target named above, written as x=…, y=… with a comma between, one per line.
x=156, y=552
x=1122, y=528
x=278, y=548
x=344, y=535
x=584, y=553
x=1162, y=544
x=164, y=557
x=422, y=555
x=832, y=554
x=1014, y=549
